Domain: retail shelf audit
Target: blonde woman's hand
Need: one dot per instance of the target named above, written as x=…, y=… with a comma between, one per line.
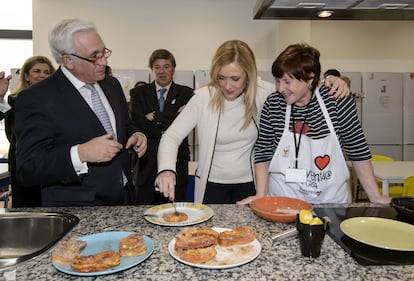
x=166, y=184
x=338, y=87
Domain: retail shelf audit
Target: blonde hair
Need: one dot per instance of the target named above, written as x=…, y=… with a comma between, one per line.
x=24, y=71
x=229, y=52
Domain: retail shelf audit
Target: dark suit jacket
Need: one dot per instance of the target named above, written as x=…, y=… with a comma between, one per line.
x=9, y=129
x=144, y=100
x=22, y=196
x=3, y=114
x=51, y=117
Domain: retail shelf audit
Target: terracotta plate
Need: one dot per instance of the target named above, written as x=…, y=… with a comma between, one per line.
x=278, y=208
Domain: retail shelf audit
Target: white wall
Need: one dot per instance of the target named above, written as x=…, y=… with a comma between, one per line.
x=377, y=46
x=193, y=29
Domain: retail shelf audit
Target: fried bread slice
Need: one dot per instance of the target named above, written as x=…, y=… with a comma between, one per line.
x=66, y=250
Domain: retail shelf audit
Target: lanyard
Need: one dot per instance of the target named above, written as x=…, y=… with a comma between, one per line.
x=297, y=142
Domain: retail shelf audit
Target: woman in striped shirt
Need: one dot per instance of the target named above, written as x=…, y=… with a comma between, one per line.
x=304, y=133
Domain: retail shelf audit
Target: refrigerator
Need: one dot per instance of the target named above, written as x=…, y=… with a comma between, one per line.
x=382, y=113
x=356, y=90
x=201, y=78
x=408, y=117
x=128, y=78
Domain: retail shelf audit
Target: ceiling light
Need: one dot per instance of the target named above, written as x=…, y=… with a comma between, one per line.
x=392, y=6
x=311, y=5
x=324, y=14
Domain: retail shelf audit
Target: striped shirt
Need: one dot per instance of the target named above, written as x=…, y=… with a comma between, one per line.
x=341, y=111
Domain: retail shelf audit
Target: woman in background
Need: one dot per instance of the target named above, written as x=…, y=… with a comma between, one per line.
x=34, y=70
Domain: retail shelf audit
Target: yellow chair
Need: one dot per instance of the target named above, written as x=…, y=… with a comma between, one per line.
x=394, y=190
x=381, y=158
x=408, y=188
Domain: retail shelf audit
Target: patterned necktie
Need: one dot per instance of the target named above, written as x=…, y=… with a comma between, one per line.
x=161, y=100
x=99, y=108
x=103, y=116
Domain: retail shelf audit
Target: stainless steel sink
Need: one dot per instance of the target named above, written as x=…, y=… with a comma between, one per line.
x=25, y=235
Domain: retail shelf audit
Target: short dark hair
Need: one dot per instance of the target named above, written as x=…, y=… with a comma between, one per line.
x=161, y=54
x=333, y=72
x=299, y=61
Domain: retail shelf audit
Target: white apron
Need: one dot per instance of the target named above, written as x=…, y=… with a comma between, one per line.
x=327, y=175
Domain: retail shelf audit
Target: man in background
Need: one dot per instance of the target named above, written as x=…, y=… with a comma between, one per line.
x=73, y=129
x=153, y=107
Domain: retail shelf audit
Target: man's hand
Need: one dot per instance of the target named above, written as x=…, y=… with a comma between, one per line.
x=138, y=142
x=4, y=84
x=99, y=149
x=150, y=116
x=181, y=108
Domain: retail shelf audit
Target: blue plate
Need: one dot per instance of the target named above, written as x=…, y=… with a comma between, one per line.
x=105, y=241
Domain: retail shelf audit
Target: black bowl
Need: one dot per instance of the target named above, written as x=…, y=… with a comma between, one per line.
x=404, y=206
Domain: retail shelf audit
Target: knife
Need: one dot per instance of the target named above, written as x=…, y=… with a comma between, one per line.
x=285, y=235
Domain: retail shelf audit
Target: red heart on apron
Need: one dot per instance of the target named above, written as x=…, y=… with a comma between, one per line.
x=322, y=161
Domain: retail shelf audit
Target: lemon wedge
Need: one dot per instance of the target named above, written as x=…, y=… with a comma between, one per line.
x=315, y=221
x=305, y=216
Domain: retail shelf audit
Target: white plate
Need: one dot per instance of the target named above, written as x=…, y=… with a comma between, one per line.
x=226, y=257
x=196, y=213
x=379, y=232
x=105, y=241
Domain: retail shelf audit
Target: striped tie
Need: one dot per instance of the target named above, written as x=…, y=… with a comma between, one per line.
x=99, y=108
x=161, y=100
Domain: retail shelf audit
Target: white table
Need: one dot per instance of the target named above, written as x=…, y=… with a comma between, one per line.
x=392, y=172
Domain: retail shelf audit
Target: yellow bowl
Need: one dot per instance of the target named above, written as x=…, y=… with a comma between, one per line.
x=279, y=208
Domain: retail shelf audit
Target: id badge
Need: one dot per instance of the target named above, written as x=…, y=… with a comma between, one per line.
x=295, y=175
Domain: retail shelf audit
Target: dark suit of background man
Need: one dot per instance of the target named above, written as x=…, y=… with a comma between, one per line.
x=146, y=113
x=61, y=143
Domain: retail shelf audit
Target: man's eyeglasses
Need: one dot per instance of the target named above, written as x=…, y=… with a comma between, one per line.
x=105, y=54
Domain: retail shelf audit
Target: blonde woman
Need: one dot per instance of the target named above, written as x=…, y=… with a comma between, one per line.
x=225, y=114
x=34, y=70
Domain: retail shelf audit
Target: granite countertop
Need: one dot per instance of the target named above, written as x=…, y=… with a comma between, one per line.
x=277, y=261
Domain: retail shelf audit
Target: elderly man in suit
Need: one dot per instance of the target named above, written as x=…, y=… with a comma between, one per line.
x=153, y=108
x=73, y=129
